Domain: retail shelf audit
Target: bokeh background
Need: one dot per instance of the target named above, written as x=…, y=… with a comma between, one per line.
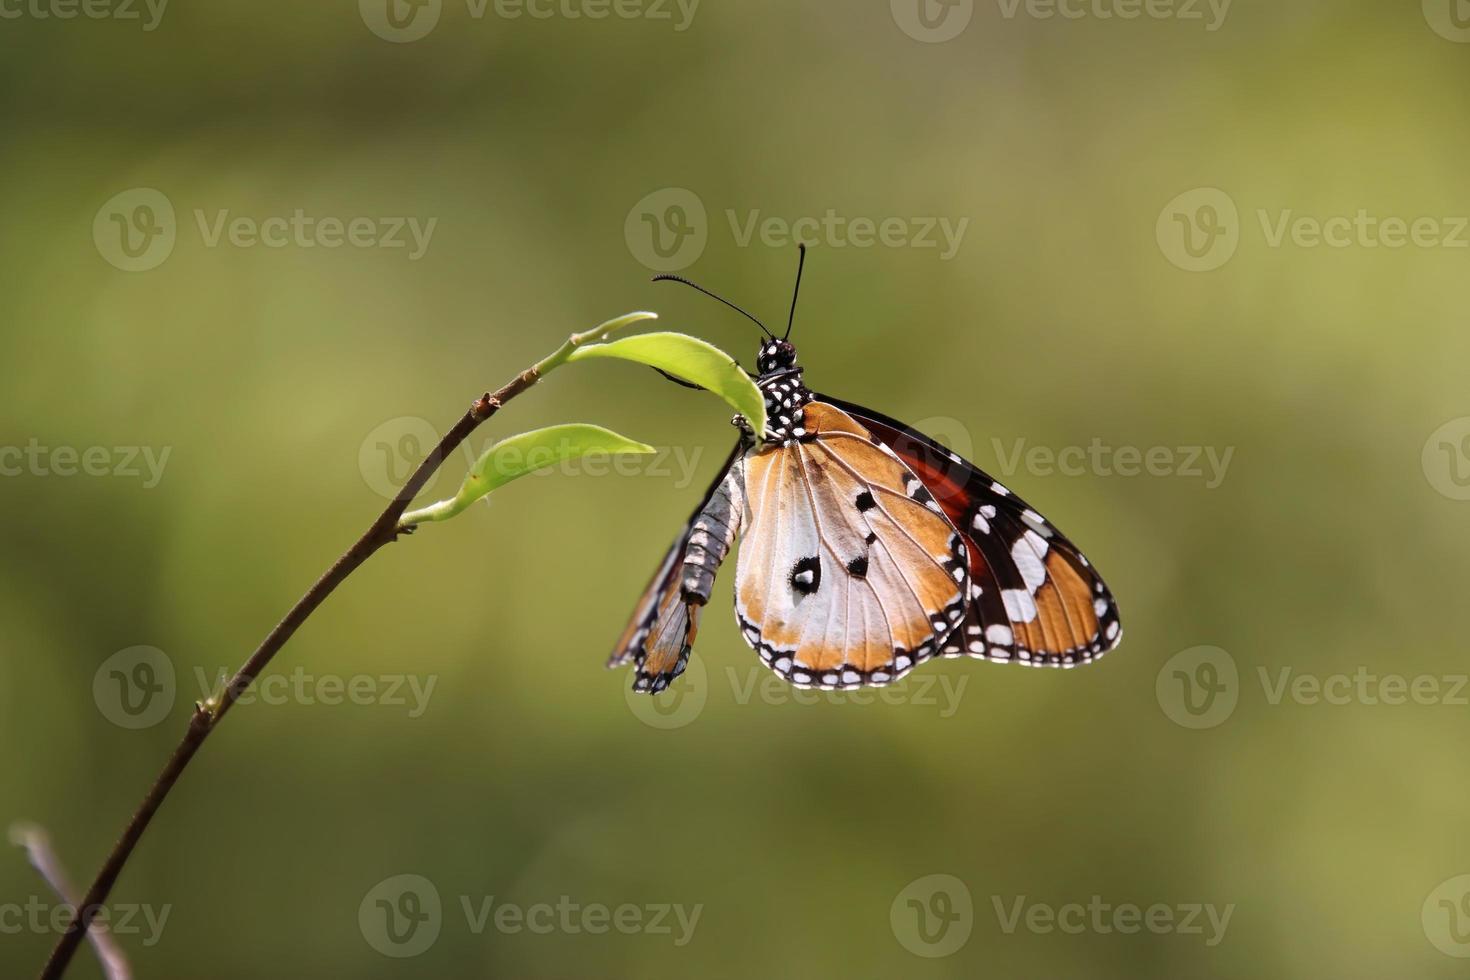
x=1135, y=267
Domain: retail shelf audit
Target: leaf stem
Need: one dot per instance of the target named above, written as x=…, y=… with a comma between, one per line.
x=206, y=717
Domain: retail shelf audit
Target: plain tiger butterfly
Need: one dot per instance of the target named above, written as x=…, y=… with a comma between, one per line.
x=866, y=549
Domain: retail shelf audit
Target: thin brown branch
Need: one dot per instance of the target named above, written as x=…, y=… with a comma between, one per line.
x=37, y=845
x=207, y=716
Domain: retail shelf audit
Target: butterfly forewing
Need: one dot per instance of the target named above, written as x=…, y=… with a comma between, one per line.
x=1034, y=598
x=848, y=574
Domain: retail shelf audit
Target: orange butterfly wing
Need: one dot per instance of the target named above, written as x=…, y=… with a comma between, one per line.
x=846, y=576
x=1035, y=599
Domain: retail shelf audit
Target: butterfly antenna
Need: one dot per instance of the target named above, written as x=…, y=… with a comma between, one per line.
x=695, y=285
x=800, y=264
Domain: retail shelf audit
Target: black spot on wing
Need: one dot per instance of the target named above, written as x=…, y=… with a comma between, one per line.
x=806, y=575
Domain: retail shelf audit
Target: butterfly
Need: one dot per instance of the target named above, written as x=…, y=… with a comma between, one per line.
x=866, y=549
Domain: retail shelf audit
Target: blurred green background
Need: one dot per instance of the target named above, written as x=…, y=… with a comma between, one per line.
x=1124, y=277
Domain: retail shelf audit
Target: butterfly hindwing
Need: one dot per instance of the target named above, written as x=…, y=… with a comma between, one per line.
x=848, y=573
x=1034, y=598
x=658, y=638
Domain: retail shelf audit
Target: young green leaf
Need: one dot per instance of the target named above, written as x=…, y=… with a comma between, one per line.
x=693, y=360
x=521, y=455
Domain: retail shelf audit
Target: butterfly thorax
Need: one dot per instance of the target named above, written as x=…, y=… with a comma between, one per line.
x=780, y=380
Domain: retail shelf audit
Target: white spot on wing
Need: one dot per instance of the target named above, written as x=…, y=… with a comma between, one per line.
x=1027, y=553
x=1020, y=607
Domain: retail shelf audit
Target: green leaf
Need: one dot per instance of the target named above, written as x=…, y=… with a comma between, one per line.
x=693, y=360
x=524, y=454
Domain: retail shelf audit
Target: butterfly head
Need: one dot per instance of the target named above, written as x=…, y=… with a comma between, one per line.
x=776, y=356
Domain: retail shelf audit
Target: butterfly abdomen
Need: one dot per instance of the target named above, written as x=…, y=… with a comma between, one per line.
x=712, y=535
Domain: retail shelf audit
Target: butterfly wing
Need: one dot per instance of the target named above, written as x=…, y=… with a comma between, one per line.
x=1034, y=598
x=658, y=638
x=848, y=573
